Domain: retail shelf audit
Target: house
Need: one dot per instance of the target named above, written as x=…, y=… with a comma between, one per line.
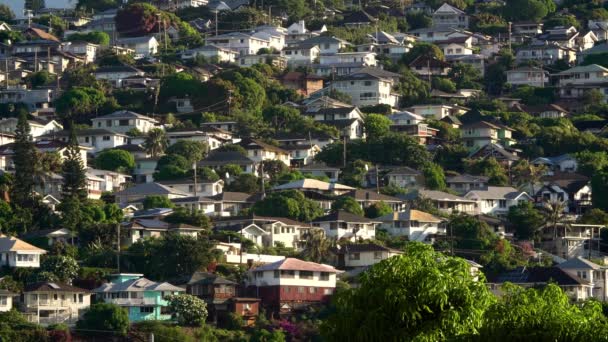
x=43, y=146
x=437, y=111
x=81, y=48
x=476, y=60
x=588, y=273
x=221, y=295
x=358, y=18
x=545, y=52
x=124, y=121
x=301, y=154
x=34, y=99
x=413, y=125
x=259, y=151
x=367, y=198
x=212, y=53
x=344, y=225
x=575, y=188
x=136, y=194
x=575, y=82
x=326, y=44
x=425, y=66
x=320, y=139
x=37, y=127
x=416, y=225
x=247, y=230
x=404, y=177
x=275, y=60
x=448, y=16
x=303, y=83
x=110, y=180
x=496, y=200
x=142, y=298
x=49, y=303
x=96, y=139
x=532, y=277
x=549, y=111
x=275, y=231
x=18, y=253
x=314, y=185
x=232, y=203
x=291, y=284
x=465, y=182
x=233, y=254
x=363, y=255
x=217, y=159
x=301, y=54
x=457, y=46
x=369, y=87
x=525, y=30
x=599, y=27
x=481, y=133
x=504, y=155
x=362, y=59
x=348, y=120
x=274, y=34
x=144, y=169
x=244, y=44
x=117, y=74
x=140, y=229
x=529, y=76
x=561, y=35
x=6, y=299
x=52, y=236
x=445, y=202
x=565, y=163
x=321, y=170
x=143, y=46
x=211, y=139
x=297, y=32
x=195, y=187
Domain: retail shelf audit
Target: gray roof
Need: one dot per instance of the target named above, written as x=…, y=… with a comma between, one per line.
x=137, y=285
x=146, y=189
x=343, y=216
x=496, y=192
x=135, y=40
x=434, y=195
x=124, y=114
x=466, y=178
x=579, y=263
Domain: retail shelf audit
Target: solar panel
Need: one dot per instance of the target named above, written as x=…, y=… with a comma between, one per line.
x=54, y=286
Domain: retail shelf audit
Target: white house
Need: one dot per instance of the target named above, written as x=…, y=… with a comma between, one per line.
x=201, y=188
x=362, y=58
x=48, y=303
x=143, y=46
x=575, y=82
x=111, y=180
x=369, y=87
x=259, y=151
x=137, y=193
x=342, y=224
x=363, y=255
x=37, y=128
x=98, y=139
x=18, y=253
x=243, y=43
x=448, y=16
x=302, y=54
x=496, y=200
x=530, y=76
x=139, y=229
x=415, y=224
x=437, y=111
x=81, y=48
x=123, y=121
x=6, y=299
x=587, y=272
x=547, y=52
x=116, y=74
x=212, y=53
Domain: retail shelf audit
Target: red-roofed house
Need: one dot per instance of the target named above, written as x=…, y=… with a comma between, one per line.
x=292, y=283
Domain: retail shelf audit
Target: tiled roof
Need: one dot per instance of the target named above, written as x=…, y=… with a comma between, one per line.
x=314, y=184
x=409, y=215
x=361, y=195
x=496, y=192
x=11, y=243
x=146, y=189
x=52, y=287
x=578, y=263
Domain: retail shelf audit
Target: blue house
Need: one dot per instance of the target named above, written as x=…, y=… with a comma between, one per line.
x=142, y=298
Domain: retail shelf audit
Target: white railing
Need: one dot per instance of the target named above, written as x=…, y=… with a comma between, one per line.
x=262, y=258
x=133, y=301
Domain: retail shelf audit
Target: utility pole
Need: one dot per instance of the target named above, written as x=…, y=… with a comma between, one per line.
x=36, y=60
x=451, y=239
x=195, y=180
x=216, y=12
x=377, y=180
x=262, y=177
x=344, y=151
x=6, y=71
x=510, y=51
x=118, y=247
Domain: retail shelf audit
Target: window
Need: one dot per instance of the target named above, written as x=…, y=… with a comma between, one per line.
x=367, y=83
x=80, y=298
x=109, y=123
x=312, y=290
x=354, y=256
x=305, y=275
x=106, y=138
x=3, y=301
x=123, y=123
x=377, y=255
x=300, y=289
x=327, y=291
x=277, y=274
x=86, y=139
x=146, y=309
x=324, y=276
x=502, y=203
x=288, y=274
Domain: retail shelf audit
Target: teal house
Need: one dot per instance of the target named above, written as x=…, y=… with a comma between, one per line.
x=141, y=297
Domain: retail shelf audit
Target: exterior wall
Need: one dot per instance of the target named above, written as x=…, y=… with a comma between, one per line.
x=416, y=231
x=6, y=303
x=12, y=259
x=275, y=296
x=257, y=155
x=281, y=233
x=531, y=78
x=351, y=230
x=268, y=278
x=364, y=259
x=368, y=92
x=123, y=125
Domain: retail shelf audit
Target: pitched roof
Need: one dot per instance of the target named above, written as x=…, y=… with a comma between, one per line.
x=225, y=157
x=52, y=287
x=578, y=263
x=11, y=243
x=146, y=189
x=314, y=184
x=447, y=8
x=344, y=216
x=361, y=195
x=359, y=17
x=370, y=72
x=228, y=196
x=365, y=247
x=466, y=178
x=410, y=215
x=293, y=264
x=125, y=114
x=404, y=170
x=434, y=195
x=535, y=275
x=496, y=192
x=584, y=68
x=42, y=34
x=254, y=144
x=205, y=278
x=137, y=285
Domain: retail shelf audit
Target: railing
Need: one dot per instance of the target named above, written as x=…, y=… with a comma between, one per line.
x=50, y=303
x=133, y=301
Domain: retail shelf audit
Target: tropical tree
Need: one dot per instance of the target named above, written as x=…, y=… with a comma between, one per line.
x=25, y=164
x=554, y=215
x=421, y=295
x=104, y=319
x=317, y=247
x=348, y=204
x=156, y=142
x=190, y=310
x=64, y=267
x=527, y=174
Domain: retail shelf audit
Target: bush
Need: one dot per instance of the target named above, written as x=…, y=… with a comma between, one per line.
x=190, y=310
x=104, y=317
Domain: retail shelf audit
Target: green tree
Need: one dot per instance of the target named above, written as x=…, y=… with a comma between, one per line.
x=434, y=178
x=115, y=160
x=102, y=317
x=465, y=76
x=317, y=247
x=421, y=295
x=423, y=49
x=74, y=178
x=40, y=78
x=599, y=190
x=192, y=150
x=25, y=162
x=596, y=58
x=291, y=204
x=471, y=233
x=542, y=314
x=245, y=182
x=157, y=201
x=522, y=10
x=411, y=88
x=378, y=209
x=189, y=310
x=281, y=117
x=94, y=37
x=594, y=216
x=65, y=268
x=525, y=219
x=488, y=167
x=348, y=204
x=79, y=103
x=193, y=218
x=376, y=126
x=6, y=13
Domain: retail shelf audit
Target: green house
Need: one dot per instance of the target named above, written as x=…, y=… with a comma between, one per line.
x=141, y=297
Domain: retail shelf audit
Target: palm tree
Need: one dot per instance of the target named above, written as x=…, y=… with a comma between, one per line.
x=156, y=142
x=317, y=247
x=555, y=216
x=525, y=173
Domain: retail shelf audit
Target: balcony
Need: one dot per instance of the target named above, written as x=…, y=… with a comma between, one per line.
x=134, y=301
